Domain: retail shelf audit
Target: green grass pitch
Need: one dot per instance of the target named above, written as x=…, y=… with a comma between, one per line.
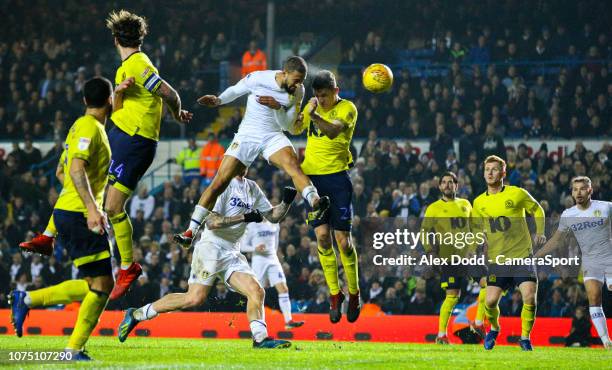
x=223, y=354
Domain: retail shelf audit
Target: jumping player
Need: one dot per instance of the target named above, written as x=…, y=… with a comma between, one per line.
x=274, y=100
x=137, y=117
x=330, y=122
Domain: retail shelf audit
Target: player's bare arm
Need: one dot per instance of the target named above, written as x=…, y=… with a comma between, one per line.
x=217, y=221
x=78, y=174
x=119, y=91
x=278, y=213
x=173, y=102
x=59, y=172
x=555, y=242
x=210, y=101
x=331, y=129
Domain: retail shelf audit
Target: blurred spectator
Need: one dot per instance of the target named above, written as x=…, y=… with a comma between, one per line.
x=144, y=202
x=189, y=160
x=254, y=59
x=210, y=158
x=580, y=333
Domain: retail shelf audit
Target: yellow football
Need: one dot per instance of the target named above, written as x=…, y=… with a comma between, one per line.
x=377, y=78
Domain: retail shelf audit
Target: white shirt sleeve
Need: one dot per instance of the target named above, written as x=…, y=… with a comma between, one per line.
x=564, y=225
x=241, y=88
x=286, y=118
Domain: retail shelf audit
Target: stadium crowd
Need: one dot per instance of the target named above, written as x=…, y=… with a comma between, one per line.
x=475, y=89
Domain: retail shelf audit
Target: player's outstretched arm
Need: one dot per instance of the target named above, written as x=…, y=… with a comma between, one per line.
x=331, y=129
x=229, y=95
x=278, y=213
x=173, y=102
x=217, y=221
x=95, y=218
x=555, y=242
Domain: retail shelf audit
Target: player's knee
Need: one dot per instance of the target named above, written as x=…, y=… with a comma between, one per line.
x=344, y=244
x=193, y=300
x=257, y=294
x=113, y=209
x=282, y=288
x=491, y=302
x=594, y=298
x=324, y=239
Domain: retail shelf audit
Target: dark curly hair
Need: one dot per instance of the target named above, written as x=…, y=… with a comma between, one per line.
x=129, y=28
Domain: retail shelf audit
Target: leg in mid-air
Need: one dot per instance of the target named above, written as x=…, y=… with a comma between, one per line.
x=63, y=293
x=593, y=289
x=230, y=168
x=42, y=243
x=329, y=263
x=350, y=263
x=116, y=199
x=286, y=159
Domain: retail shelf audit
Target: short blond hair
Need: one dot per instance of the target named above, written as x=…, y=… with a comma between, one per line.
x=496, y=159
x=128, y=28
x=584, y=179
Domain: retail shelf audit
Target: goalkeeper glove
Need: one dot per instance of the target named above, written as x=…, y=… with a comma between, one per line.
x=253, y=216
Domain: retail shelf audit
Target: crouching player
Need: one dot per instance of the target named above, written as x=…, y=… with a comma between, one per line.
x=217, y=254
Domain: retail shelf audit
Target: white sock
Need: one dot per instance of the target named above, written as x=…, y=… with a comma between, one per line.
x=599, y=320
x=259, y=330
x=49, y=234
x=27, y=300
x=310, y=194
x=145, y=312
x=478, y=322
x=197, y=217
x=285, y=305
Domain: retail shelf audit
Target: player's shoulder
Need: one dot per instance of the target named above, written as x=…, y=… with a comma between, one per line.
x=86, y=122
x=434, y=207
x=259, y=76
x=601, y=203
x=346, y=104
x=513, y=189
x=568, y=212
x=481, y=198
x=462, y=202
x=138, y=60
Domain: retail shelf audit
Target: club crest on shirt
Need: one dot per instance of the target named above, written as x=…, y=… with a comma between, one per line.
x=83, y=143
x=234, y=146
x=597, y=213
x=509, y=203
